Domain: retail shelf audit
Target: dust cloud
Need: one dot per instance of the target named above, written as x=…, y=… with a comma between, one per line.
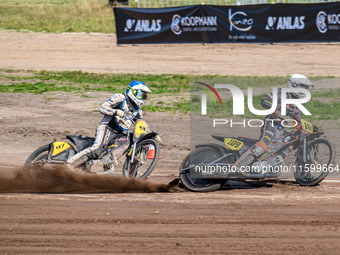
x=59, y=180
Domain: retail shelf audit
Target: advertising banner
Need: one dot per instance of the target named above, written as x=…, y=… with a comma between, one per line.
x=266, y=23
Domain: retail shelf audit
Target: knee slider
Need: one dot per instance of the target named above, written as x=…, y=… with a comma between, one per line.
x=260, y=148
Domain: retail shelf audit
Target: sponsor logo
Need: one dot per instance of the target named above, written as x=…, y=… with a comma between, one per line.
x=193, y=24
x=285, y=23
x=175, y=24
x=143, y=25
x=325, y=22
x=321, y=22
x=240, y=21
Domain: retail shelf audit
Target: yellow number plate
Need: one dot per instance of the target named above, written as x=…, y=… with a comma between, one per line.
x=141, y=128
x=233, y=144
x=59, y=147
x=306, y=126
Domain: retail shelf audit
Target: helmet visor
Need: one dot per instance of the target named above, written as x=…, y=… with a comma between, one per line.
x=308, y=87
x=141, y=95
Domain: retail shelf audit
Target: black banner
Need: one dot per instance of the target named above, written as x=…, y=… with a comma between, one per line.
x=266, y=23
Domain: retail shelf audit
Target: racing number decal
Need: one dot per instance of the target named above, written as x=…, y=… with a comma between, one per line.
x=233, y=144
x=59, y=147
x=306, y=126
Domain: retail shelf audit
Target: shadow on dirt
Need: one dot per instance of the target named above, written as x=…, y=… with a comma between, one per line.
x=255, y=184
x=249, y=184
x=59, y=180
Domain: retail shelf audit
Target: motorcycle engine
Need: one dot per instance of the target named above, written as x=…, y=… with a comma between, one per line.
x=109, y=161
x=269, y=166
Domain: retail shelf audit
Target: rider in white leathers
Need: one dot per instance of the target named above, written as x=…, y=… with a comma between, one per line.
x=119, y=113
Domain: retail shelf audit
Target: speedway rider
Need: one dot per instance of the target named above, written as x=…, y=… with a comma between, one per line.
x=273, y=129
x=119, y=113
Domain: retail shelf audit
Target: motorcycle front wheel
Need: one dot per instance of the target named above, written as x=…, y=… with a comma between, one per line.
x=145, y=160
x=320, y=156
x=195, y=182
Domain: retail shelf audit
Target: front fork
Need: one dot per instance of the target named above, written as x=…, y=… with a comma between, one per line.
x=298, y=153
x=304, y=153
x=133, y=152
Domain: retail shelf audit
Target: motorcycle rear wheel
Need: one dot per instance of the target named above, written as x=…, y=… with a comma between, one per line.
x=142, y=166
x=195, y=183
x=320, y=155
x=31, y=166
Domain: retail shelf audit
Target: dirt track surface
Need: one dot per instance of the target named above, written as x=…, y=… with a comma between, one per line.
x=262, y=218
x=100, y=53
x=284, y=219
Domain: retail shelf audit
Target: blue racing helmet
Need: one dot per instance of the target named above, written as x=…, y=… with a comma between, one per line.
x=137, y=92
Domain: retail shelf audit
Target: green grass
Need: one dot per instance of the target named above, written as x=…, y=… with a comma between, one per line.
x=77, y=81
x=170, y=92
x=81, y=82
x=325, y=105
x=55, y=16
x=163, y=3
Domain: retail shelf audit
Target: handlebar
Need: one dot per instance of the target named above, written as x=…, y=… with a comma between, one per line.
x=128, y=114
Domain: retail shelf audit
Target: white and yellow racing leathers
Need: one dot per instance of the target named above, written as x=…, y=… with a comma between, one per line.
x=110, y=126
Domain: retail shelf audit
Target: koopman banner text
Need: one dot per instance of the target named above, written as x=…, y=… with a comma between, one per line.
x=266, y=23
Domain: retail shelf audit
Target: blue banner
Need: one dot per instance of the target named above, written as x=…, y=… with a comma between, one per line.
x=266, y=23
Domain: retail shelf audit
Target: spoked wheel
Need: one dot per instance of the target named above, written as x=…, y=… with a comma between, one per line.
x=145, y=160
x=193, y=180
x=320, y=155
x=33, y=165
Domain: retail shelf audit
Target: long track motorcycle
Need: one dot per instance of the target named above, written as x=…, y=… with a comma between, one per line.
x=141, y=148
x=209, y=166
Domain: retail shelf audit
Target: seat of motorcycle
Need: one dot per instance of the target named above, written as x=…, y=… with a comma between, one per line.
x=246, y=140
x=81, y=141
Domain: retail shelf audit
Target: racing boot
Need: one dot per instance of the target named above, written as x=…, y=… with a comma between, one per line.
x=245, y=160
x=76, y=161
x=251, y=155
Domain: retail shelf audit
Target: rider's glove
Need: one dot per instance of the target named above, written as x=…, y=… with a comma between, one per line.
x=120, y=113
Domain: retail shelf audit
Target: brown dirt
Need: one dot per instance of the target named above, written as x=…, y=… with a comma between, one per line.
x=100, y=53
x=256, y=218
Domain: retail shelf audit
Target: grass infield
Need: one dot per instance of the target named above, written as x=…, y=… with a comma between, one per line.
x=57, y=16
x=171, y=92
